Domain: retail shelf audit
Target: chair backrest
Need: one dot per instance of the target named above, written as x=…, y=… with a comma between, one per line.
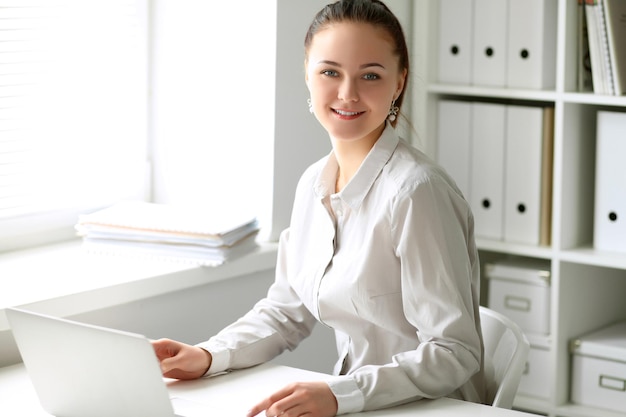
x=506, y=352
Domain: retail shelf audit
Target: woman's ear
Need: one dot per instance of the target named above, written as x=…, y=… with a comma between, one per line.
x=306, y=74
x=306, y=81
x=401, y=82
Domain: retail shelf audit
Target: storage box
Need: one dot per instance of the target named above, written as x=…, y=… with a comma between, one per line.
x=536, y=379
x=599, y=368
x=520, y=289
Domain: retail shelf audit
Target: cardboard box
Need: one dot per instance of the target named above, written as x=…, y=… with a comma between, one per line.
x=520, y=289
x=599, y=368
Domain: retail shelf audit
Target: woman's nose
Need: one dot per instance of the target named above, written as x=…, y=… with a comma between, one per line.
x=348, y=90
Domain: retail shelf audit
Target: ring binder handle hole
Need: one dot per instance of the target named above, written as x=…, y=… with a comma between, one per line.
x=489, y=51
x=613, y=216
x=454, y=49
x=521, y=207
x=486, y=203
x=524, y=53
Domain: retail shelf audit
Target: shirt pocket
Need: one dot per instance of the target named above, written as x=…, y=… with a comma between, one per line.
x=383, y=309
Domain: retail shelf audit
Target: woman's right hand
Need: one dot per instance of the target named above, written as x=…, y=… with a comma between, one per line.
x=180, y=360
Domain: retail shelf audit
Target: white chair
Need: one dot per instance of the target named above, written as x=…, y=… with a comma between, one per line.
x=506, y=352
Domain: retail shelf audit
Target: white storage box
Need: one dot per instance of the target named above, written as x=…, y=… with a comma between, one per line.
x=599, y=368
x=520, y=289
x=536, y=379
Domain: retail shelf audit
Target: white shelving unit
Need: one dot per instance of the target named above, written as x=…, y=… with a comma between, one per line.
x=588, y=286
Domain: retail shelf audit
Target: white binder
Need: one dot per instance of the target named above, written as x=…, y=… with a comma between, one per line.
x=522, y=190
x=531, y=47
x=454, y=141
x=610, y=198
x=455, y=41
x=487, y=169
x=489, y=43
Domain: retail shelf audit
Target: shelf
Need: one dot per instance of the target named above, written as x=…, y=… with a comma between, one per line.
x=591, y=256
x=540, y=252
x=527, y=95
x=574, y=410
x=582, y=255
x=496, y=93
x=587, y=285
x=594, y=99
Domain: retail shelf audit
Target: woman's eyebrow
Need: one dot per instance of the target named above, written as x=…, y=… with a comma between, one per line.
x=336, y=64
x=372, y=64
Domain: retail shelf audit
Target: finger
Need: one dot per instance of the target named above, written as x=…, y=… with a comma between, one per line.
x=285, y=405
x=257, y=408
x=270, y=401
x=168, y=364
x=165, y=348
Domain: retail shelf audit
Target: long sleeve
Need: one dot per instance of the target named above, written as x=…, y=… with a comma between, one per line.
x=279, y=321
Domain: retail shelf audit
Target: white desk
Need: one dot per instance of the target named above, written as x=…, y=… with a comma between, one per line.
x=236, y=392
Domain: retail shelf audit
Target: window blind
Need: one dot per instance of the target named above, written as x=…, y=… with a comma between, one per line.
x=73, y=108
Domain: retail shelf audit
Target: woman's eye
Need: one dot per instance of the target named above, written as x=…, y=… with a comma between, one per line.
x=370, y=76
x=329, y=73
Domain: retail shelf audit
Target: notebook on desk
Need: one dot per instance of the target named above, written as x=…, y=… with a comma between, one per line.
x=81, y=370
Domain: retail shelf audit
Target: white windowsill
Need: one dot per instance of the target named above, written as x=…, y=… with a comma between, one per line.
x=63, y=280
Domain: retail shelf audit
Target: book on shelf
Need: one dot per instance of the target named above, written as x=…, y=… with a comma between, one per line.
x=615, y=16
x=606, y=26
x=202, y=236
x=605, y=53
x=594, y=47
x=585, y=79
x=598, y=47
x=547, y=156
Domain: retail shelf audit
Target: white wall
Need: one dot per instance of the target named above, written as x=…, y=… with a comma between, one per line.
x=299, y=139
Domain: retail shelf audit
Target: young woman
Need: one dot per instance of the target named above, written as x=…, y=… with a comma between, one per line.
x=380, y=246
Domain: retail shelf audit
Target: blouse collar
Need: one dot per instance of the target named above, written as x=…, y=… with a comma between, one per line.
x=359, y=186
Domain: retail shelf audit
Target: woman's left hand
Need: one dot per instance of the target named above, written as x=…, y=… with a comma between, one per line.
x=313, y=399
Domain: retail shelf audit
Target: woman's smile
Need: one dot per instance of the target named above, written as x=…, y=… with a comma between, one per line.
x=347, y=114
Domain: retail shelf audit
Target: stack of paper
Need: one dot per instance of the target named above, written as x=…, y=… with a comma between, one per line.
x=199, y=236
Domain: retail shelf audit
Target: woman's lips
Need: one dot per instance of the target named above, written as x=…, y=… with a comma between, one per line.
x=347, y=114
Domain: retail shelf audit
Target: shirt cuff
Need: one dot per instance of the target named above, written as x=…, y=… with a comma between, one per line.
x=349, y=397
x=219, y=359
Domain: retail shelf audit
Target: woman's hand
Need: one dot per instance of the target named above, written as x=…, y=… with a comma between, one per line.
x=181, y=361
x=313, y=399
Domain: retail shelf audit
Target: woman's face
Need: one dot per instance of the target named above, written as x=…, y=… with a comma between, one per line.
x=353, y=76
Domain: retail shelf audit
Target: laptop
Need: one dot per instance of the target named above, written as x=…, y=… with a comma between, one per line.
x=81, y=370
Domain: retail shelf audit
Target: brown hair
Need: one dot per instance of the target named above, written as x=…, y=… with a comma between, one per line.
x=374, y=12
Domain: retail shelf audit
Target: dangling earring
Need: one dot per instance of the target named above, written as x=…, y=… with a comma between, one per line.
x=393, y=111
x=308, y=100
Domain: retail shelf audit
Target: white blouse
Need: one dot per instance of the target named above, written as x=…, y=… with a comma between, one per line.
x=391, y=265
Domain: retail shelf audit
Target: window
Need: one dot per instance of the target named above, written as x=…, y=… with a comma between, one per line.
x=213, y=103
x=73, y=112
x=102, y=100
